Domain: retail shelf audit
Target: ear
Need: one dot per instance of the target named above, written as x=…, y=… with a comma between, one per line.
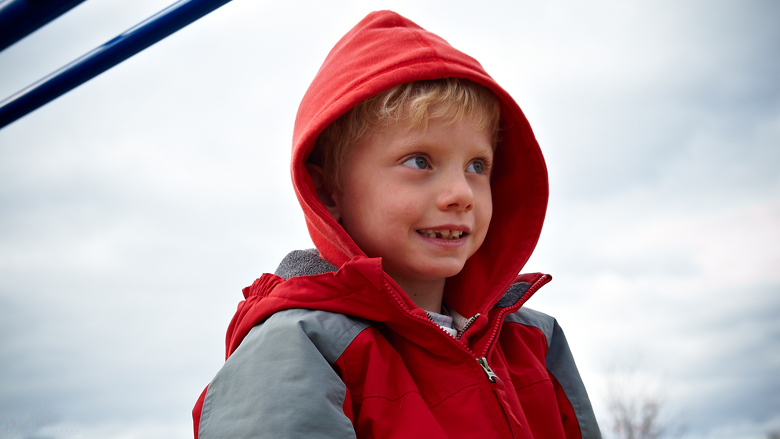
x=323, y=192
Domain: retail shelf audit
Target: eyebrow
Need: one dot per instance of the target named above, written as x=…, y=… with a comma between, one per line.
x=422, y=143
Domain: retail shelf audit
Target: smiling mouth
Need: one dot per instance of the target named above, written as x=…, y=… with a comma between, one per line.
x=442, y=234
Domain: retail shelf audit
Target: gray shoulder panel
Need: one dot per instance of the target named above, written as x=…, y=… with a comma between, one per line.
x=280, y=382
x=560, y=363
x=536, y=319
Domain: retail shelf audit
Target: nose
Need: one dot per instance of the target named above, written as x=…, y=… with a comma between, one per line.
x=456, y=193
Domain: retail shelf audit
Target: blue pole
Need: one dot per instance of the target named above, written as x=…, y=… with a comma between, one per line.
x=134, y=40
x=19, y=18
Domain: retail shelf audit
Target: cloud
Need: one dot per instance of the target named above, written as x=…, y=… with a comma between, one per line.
x=135, y=208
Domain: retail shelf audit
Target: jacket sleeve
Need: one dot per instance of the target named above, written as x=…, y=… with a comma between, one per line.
x=576, y=412
x=279, y=383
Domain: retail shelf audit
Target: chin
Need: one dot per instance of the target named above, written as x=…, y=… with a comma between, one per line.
x=443, y=271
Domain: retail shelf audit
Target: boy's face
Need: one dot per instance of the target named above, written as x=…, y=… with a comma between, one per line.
x=419, y=199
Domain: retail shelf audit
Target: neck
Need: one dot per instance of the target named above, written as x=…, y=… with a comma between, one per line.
x=425, y=294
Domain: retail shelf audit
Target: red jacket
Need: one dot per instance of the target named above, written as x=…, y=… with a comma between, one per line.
x=331, y=346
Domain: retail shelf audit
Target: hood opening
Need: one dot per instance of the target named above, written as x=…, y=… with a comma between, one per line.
x=385, y=50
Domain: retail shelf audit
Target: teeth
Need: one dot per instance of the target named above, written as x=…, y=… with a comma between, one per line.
x=442, y=234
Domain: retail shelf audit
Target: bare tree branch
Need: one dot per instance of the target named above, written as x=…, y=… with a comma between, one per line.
x=636, y=410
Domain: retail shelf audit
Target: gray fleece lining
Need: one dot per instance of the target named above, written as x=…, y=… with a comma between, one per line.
x=512, y=295
x=303, y=263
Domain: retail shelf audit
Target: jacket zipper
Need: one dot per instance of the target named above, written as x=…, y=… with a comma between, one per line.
x=471, y=320
x=482, y=361
x=427, y=318
x=531, y=290
x=468, y=323
x=491, y=376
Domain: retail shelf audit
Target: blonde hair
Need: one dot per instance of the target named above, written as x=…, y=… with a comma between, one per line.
x=451, y=99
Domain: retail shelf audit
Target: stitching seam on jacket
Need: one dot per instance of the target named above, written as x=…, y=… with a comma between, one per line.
x=205, y=413
x=531, y=384
x=544, y=336
x=455, y=393
x=418, y=37
x=307, y=300
x=346, y=334
x=388, y=399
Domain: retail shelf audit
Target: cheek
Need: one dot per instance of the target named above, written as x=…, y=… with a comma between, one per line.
x=489, y=214
x=400, y=206
x=372, y=218
x=486, y=202
x=485, y=211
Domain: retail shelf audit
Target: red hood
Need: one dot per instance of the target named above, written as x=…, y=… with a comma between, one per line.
x=382, y=51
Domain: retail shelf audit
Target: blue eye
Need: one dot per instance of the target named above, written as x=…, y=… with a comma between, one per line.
x=417, y=163
x=476, y=167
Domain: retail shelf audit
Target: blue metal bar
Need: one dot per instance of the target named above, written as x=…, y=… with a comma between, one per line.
x=19, y=18
x=124, y=46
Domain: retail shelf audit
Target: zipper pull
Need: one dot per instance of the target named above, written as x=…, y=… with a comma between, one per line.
x=488, y=371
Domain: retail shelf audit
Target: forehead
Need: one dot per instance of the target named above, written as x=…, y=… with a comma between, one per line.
x=439, y=136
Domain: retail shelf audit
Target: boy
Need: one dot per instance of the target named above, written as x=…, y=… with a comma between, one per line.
x=424, y=191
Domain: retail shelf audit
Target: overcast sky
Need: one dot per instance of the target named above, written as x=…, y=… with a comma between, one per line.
x=135, y=208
